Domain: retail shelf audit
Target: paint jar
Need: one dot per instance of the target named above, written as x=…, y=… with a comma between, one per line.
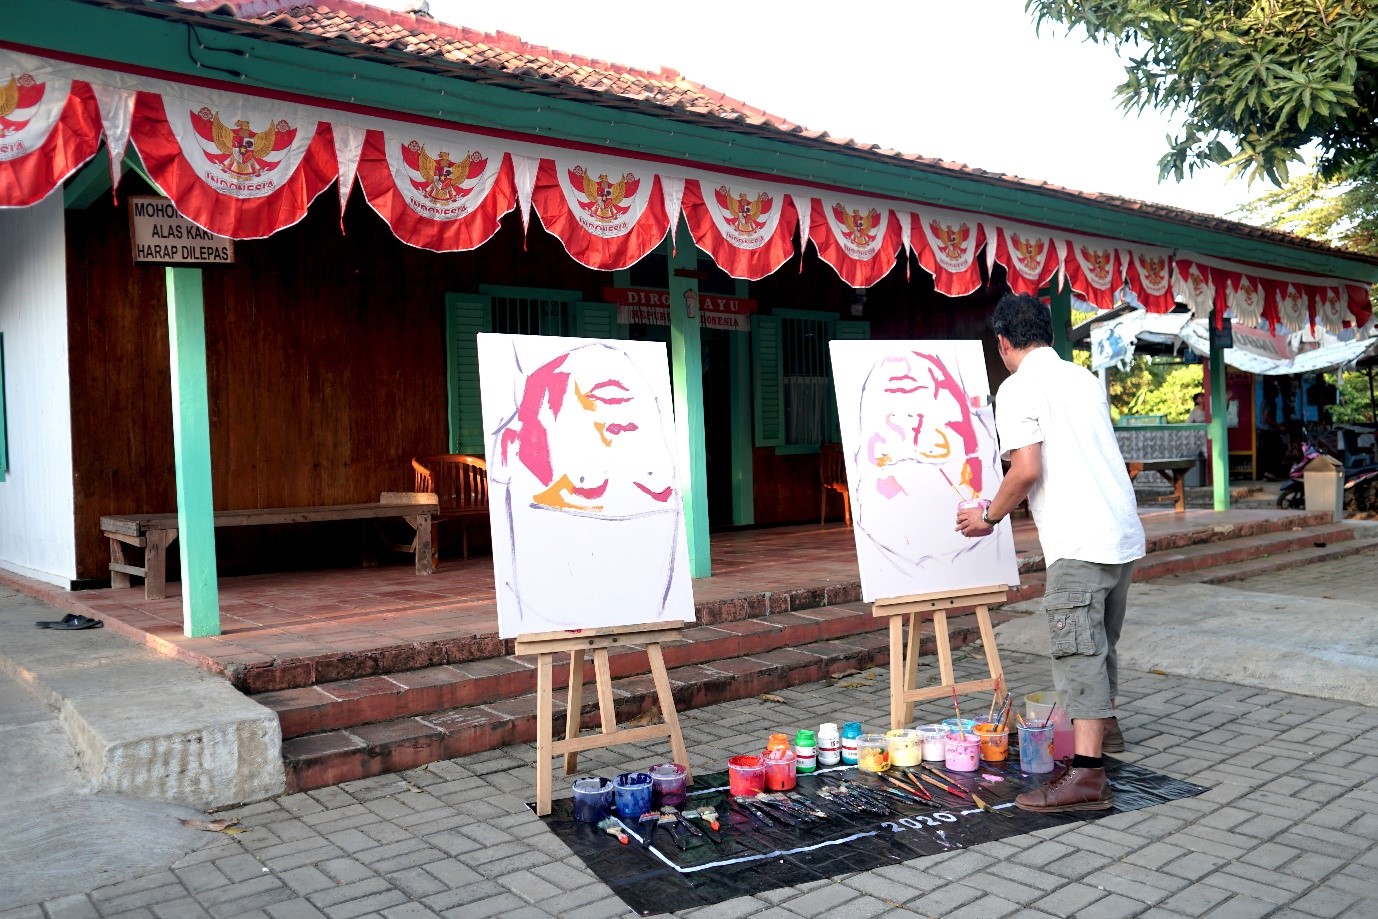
x=904, y=746
x=933, y=734
x=872, y=753
x=962, y=754
x=966, y=726
x=805, y=752
x=1036, y=748
x=1037, y=707
x=779, y=761
x=851, y=731
x=592, y=799
x=746, y=776
x=668, y=781
x=995, y=742
x=632, y=794
x=829, y=745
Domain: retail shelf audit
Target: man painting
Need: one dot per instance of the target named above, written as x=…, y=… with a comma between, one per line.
x=1054, y=425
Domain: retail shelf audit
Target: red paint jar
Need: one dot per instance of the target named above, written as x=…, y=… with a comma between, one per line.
x=779, y=760
x=746, y=776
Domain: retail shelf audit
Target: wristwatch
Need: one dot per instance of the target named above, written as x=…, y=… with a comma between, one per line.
x=985, y=517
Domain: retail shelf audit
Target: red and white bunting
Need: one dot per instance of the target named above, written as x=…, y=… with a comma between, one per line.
x=1094, y=269
x=1246, y=299
x=858, y=238
x=116, y=114
x=1148, y=272
x=608, y=212
x=49, y=127
x=1195, y=285
x=234, y=165
x=1293, y=306
x=1332, y=308
x=438, y=190
x=747, y=228
x=1360, y=304
x=349, y=146
x=1028, y=254
x=946, y=243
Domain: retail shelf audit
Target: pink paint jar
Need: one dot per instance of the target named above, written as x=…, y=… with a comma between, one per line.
x=963, y=753
x=746, y=776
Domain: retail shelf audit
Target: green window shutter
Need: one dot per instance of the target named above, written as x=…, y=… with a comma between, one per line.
x=769, y=380
x=597, y=320
x=4, y=443
x=852, y=331
x=465, y=316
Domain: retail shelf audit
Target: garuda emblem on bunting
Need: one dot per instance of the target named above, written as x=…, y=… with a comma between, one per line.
x=242, y=152
x=1028, y=254
x=858, y=229
x=1093, y=269
x=744, y=214
x=747, y=229
x=441, y=179
x=1149, y=275
x=858, y=239
x=19, y=101
x=1244, y=296
x=946, y=244
x=1292, y=306
x=1028, y=257
x=1330, y=309
x=602, y=197
x=49, y=127
x=607, y=212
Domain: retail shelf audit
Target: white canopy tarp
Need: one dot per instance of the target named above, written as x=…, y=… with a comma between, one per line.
x=1258, y=352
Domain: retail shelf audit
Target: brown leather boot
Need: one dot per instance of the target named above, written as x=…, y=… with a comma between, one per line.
x=1069, y=790
x=1113, y=741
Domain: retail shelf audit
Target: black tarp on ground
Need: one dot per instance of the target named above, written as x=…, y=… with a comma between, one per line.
x=751, y=858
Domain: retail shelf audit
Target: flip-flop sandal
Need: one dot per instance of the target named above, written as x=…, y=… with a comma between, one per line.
x=80, y=622
x=49, y=624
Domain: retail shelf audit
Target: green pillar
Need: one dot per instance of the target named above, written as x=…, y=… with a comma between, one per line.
x=686, y=374
x=743, y=447
x=191, y=445
x=1061, y=303
x=1220, y=434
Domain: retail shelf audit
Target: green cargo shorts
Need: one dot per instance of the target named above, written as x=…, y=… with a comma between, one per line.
x=1084, y=603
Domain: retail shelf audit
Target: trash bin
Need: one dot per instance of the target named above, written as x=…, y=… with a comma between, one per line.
x=1324, y=481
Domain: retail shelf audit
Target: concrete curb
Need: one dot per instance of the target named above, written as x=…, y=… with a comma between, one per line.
x=143, y=725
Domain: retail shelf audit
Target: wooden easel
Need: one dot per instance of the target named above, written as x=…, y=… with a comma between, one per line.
x=904, y=663
x=546, y=645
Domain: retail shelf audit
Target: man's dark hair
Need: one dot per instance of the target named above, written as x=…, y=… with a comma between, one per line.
x=1023, y=320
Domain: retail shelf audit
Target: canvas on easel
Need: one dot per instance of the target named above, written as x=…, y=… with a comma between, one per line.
x=589, y=542
x=918, y=438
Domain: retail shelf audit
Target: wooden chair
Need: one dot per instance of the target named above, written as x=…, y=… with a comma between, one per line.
x=460, y=484
x=832, y=474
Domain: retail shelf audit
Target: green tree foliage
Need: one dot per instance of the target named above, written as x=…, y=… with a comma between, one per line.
x=1355, y=399
x=1254, y=81
x=1150, y=387
x=1342, y=212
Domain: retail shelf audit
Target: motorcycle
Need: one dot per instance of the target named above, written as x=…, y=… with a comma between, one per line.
x=1361, y=484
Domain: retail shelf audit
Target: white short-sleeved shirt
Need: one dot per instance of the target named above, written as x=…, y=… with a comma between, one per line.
x=1082, y=502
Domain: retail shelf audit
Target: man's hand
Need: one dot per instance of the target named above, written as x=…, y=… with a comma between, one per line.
x=970, y=524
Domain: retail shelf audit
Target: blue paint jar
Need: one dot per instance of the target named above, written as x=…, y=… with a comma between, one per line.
x=632, y=794
x=851, y=734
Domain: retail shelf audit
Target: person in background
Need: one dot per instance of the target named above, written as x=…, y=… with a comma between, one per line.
x=1054, y=425
x=1197, y=415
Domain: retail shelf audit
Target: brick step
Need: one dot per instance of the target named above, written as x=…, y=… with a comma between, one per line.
x=1176, y=562
x=331, y=757
x=1239, y=571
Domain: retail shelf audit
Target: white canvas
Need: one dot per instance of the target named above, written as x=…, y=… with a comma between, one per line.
x=918, y=436
x=585, y=502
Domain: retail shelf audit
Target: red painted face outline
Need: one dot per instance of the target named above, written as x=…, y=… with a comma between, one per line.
x=662, y=496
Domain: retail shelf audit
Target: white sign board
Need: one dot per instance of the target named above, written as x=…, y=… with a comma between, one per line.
x=918, y=436
x=586, y=504
x=160, y=234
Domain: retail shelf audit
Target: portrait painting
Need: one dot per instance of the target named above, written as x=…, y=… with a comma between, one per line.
x=918, y=437
x=586, y=509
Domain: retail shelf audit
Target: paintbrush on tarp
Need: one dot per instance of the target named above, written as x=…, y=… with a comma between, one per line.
x=958, y=710
x=613, y=827
x=946, y=782
x=916, y=791
x=979, y=802
x=956, y=793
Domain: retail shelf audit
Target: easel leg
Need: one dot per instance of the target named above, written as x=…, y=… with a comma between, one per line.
x=944, y=642
x=897, y=668
x=911, y=664
x=997, y=673
x=667, y=706
x=607, y=713
x=544, y=738
x=576, y=706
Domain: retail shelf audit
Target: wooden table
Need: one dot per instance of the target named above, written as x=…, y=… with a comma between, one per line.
x=155, y=533
x=1174, y=470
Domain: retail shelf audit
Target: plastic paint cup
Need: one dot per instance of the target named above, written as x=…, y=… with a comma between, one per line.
x=995, y=743
x=933, y=734
x=905, y=747
x=962, y=755
x=592, y=799
x=1037, y=706
x=632, y=794
x=668, y=781
x=746, y=776
x=872, y=753
x=1035, y=749
x=968, y=726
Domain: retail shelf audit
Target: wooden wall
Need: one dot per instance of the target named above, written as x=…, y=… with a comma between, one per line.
x=325, y=363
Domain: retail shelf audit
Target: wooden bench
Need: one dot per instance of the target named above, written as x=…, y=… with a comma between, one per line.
x=459, y=482
x=1174, y=470
x=155, y=533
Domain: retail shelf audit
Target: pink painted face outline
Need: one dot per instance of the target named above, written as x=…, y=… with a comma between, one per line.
x=589, y=429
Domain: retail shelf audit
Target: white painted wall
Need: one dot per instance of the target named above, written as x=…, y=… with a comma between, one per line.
x=37, y=533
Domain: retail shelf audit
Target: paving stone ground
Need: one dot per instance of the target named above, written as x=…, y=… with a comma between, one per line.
x=1288, y=829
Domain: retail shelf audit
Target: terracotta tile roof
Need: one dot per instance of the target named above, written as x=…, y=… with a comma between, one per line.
x=360, y=29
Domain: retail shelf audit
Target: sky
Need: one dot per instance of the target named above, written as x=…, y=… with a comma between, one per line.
x=971, y=82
